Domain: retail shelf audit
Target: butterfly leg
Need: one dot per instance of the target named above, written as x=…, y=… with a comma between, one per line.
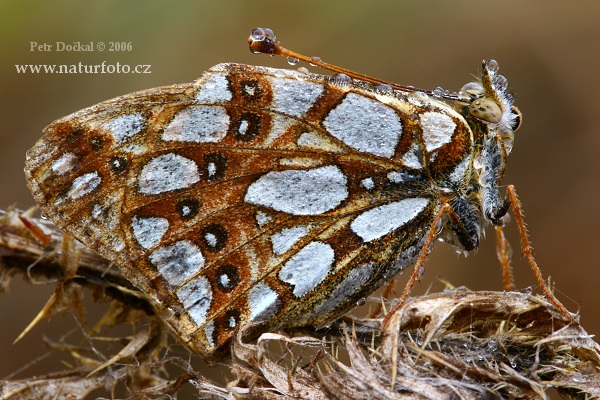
x=504, y=252
x=418, y=268
x=511, y=196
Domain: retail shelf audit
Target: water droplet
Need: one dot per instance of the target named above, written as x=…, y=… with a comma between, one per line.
x=258, y=34
x=341, y=80
x=501, y=82
x=303, y=70
x=529, y=290
x=492, y=66
x=292, y=60
x=577, y=377
x=269, y=34
x=361, y=302
x=438, y=91
x=316, y=60
x=384, y=88
x=420, y=96
x=44, y=216
x=472, y=88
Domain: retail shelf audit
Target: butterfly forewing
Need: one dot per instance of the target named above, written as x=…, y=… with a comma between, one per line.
x=252, y=194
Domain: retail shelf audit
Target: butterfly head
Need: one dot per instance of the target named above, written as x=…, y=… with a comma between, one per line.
x=492, y=104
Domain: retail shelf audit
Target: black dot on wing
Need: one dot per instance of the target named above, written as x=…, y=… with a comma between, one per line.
x=250, y=90
x=118, y=165
x=215, y=166
x=247, y=127
x=227, y=277
x=188, y=208
x=214, y=237
x=230, y=320
x=97, y=142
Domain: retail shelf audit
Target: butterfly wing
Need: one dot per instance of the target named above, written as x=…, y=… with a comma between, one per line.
x=252, y=194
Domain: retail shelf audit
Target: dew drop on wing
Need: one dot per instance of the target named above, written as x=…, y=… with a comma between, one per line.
x=292, y=60
x=341, y=80
x=472, y=88
x=438, y=91
x=384, y=88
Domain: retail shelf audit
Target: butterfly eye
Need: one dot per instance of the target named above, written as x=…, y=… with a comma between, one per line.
x=486, y=109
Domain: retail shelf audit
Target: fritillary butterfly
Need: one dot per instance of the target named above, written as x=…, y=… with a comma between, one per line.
x=280, y=197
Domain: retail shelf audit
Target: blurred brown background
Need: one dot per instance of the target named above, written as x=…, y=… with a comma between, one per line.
x=548, y=50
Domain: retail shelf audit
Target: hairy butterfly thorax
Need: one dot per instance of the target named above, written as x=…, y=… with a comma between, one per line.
x=276, y=197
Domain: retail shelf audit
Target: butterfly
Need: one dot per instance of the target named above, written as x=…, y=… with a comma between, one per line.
x=273, y=198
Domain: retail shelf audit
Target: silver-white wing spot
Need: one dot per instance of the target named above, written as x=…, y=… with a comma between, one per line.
x=209, y=332
x=196, y=297
x=149, y=231
x=84, y=184
x=382, y=220
x=437, y=129
x=300, y=192
x=307, y=268
x=211, y=239
x=396, y=176
x=365, y=125
x=282, y=241
x=411, y=158
x=294, y=97
x=355, y=279
x=224, y=280
x=214, y=90
x=178, y=262
x=461, y=169
x=262, y=218
x=198, y=124
x=232, y=322
x=167, y=172
x=125, y=126
x=263, y=302
x=243, y=128
x=211, y=169
x=279, y=125
x=64, y=164
x=368, y=183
